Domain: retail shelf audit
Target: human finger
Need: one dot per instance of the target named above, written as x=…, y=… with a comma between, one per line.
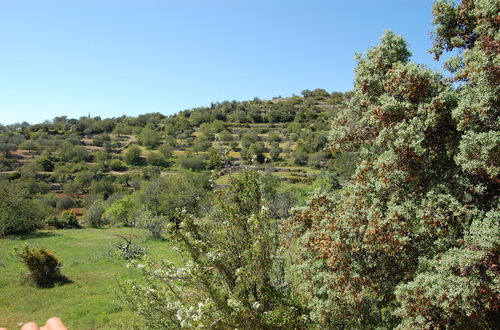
x=54, y=323
x=30, y=326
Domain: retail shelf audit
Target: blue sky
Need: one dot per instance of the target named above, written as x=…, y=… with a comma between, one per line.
x=115, y=57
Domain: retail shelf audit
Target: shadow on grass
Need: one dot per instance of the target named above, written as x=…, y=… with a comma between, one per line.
x=41, y=234
x=155, y=239
x=58, y=280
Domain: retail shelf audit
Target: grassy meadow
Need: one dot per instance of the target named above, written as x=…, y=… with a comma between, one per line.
x=89, y=261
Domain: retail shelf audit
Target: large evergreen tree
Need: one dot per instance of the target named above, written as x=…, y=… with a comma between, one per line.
x=414, y=239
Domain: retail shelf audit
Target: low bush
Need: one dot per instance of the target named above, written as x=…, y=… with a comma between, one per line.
x=117, y=165
x=93, y=216
x=65, y=203
x=192, y=163
x=128, y=249
x=150, y=172
x=155, y=224
x=44, y=266
x=19, y=213
x=155, y=159
x=66, y=220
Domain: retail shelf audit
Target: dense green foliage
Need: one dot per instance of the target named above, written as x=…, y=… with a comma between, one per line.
x=84, y=165
x=236, y=274
x=388, y=216
x=93, y=168
x=413, y=241
x=18, y=213
x=44, y=266
x=66, y=220
x=93, y=216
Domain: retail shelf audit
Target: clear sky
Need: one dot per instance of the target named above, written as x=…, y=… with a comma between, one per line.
x=115, y=57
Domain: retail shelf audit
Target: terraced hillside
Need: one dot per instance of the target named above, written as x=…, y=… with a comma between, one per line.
x=69, y=163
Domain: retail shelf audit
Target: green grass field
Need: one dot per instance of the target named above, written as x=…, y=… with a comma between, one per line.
x=89, y=261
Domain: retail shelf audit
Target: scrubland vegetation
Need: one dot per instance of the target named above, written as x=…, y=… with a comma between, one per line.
x=372, y=209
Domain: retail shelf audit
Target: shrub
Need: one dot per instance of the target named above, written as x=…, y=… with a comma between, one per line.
x=117, y=165
x=44, y=266
x=149, y=138
x=94, y=213
x=201, y=143
x=19, y=214
x=30, y=145
x=234, y=249
x=166, y=150
x=6, y=164
x=299, y=156
x=72, y=153
x=274, y=137
x=132, y=155
x=150, y=172
x=233, y=145
x=317, y=160
x=216, y=159
x=121, y=211
x=45, y=163
x=128, y=249
x=104, y=188
x=49, y=200
x=66, y=220
x=157, y=160
x=165, y=195
x=237, y=276
x=100, y=139
x=153, y=223
x=248, y=138
x=225, y=136
x=193, y=163
x=275, y=152
x=411, y=242
x=65, y=203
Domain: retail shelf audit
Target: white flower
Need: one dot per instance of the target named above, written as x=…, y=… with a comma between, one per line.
x=233, y=303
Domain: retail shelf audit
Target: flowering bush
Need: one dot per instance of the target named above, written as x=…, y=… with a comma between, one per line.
x=235, y=276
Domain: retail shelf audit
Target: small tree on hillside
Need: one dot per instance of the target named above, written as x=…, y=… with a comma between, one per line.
x=132, y=155
x=30, y=145
x=149, y=138
x=7, y=148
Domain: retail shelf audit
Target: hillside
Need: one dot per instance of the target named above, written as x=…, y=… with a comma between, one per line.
x=69, y=161
x=372, y=209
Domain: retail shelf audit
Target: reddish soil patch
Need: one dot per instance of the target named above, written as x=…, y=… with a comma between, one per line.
x=78, y=211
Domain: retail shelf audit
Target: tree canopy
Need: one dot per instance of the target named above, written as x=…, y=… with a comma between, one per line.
x=413, y=240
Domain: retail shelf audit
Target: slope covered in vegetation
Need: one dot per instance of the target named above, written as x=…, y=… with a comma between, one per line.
x=88, y=163
x=373, y=209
